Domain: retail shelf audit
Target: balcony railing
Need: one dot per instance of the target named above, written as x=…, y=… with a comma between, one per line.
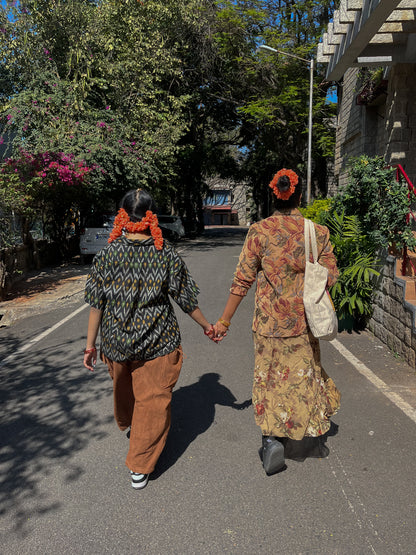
x=401, y=174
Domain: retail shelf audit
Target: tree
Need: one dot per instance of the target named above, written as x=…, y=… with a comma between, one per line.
x=247, y=112
x=100, y=95
x=274, y=110
x=163, y=94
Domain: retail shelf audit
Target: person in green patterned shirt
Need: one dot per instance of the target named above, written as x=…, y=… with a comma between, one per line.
x=129, y=288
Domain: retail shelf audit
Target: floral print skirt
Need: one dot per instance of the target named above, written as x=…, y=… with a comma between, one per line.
x=292, y=395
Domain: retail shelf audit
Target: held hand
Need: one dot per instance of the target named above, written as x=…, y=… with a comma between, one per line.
x=210, y=332
x=220, y=331
x=90, y=358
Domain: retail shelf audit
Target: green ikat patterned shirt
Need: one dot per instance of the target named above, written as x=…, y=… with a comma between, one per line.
x=131, y=282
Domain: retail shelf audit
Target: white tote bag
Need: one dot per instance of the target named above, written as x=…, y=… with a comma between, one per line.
x=319, y=309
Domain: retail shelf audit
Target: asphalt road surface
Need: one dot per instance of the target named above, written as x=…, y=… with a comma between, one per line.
x=65, y=488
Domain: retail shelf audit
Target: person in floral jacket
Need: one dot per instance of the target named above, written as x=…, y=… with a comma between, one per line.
x=293, y=398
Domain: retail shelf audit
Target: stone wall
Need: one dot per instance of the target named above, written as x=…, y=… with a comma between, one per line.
x=349, y=128
x=393, y=320
x=400, y=122
x=386, y=127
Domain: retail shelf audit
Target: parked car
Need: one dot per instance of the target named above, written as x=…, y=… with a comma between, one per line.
x=95, y=234
x=171, y=226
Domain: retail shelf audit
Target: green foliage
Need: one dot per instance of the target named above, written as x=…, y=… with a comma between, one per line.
x=101, y=94
x=368, y=214
x=318, y=211
x=273, y=89
x=379, y=201
x=357, y=262
x=165, y=94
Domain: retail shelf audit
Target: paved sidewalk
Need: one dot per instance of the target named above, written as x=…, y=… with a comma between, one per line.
x=42, y=290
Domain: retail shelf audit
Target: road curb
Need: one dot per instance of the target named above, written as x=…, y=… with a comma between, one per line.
x=67, y=292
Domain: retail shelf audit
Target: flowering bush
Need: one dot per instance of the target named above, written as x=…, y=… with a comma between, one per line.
x=45, y=185
x=51, y=168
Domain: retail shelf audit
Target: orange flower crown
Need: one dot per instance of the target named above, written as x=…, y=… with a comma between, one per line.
x=122, y=222
x=284, y=195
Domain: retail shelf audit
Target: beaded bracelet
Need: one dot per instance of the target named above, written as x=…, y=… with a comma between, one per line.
x=224, y=322
x=88, y=351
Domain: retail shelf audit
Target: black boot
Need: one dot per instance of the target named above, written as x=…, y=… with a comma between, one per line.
x=273, y=454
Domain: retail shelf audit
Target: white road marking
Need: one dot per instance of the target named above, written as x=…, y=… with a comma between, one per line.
x=379, y=384
x=353, y=500
x=41, y=336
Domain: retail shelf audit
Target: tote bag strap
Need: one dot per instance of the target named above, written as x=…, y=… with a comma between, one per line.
x=310, y=235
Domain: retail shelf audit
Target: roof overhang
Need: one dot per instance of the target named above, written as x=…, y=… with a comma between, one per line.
x=369, y=33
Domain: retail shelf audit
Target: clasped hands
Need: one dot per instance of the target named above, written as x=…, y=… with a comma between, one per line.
x=216, y=332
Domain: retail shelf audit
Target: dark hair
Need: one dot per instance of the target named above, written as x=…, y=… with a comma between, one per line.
x=293, y=201
x=136, y=203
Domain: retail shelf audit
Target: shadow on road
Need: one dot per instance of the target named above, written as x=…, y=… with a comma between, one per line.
x=47, y=417
x=193, y=412
x=216, y=237
x=46, y=279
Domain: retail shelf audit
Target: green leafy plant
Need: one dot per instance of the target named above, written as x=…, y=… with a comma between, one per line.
x=357, y=262
x=379, y=201
x=318, y=211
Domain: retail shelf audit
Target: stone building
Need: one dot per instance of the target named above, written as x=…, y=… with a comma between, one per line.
x=370, y=49
x=370, y=52
x=226, y=204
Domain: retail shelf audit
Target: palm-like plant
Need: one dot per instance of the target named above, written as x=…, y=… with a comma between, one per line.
x=357, y=262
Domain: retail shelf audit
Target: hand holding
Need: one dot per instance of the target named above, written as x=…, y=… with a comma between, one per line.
x=209, y=332
x=220, y=331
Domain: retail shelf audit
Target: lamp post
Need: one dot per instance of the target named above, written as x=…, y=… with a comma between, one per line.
x=310, y=63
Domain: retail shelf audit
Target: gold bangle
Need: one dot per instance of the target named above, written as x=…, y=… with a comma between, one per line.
x=224, y=322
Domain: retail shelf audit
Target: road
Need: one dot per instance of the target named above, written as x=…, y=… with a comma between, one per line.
x=65, y=488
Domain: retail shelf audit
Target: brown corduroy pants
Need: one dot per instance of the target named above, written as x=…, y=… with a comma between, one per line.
x=142, y=399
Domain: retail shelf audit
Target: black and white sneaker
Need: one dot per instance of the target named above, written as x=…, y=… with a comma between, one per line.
x=139, y=481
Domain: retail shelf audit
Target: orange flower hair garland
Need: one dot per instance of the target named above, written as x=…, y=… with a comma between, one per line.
x=284, y=195
x=122, y=222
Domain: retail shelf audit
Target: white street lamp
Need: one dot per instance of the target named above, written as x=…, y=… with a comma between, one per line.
x=310, y=63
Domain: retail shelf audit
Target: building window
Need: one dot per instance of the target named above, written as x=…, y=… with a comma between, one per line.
x=219, y=198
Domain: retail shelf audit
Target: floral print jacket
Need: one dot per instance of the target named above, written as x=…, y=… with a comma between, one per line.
x=274, y=253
